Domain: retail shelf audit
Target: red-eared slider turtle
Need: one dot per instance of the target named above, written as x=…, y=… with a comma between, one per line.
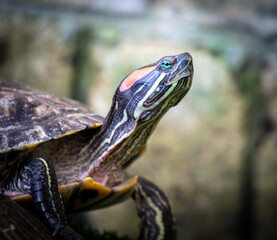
x=53, y=147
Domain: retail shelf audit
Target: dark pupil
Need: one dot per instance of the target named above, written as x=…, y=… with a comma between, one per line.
x=166, y=64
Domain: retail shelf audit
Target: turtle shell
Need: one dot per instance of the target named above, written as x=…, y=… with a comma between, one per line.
x=29, y=117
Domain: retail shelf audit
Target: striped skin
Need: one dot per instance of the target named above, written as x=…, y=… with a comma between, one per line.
x=157, y=220
x=84, y=157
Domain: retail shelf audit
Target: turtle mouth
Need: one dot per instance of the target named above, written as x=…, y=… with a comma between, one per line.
x=184, y=78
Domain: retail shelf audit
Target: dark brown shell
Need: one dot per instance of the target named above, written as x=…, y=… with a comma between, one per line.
x=29, y=117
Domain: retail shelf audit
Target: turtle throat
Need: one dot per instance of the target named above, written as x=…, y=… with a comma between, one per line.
x=105, y=145
x=118, y=142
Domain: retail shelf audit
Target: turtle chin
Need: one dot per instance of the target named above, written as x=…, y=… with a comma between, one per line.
x=186, y=81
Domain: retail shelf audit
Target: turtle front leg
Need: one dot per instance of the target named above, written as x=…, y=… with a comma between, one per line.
x=39, y=180
x=157, y=220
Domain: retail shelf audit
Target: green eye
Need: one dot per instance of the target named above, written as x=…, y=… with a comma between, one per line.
x=166, y=64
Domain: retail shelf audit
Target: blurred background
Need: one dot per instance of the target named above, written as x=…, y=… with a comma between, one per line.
x=214, y=154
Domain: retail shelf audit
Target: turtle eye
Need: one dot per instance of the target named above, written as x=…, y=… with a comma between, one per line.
x=166, y=64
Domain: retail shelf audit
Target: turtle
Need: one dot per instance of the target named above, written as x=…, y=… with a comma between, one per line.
x=62, y=157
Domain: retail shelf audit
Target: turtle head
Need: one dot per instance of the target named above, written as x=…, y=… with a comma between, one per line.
x=140, y=100
x=147, y=93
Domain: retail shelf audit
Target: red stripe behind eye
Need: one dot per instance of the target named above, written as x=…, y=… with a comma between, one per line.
x=134, y=76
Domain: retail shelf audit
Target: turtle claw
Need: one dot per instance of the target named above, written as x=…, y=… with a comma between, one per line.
x=67, y=233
